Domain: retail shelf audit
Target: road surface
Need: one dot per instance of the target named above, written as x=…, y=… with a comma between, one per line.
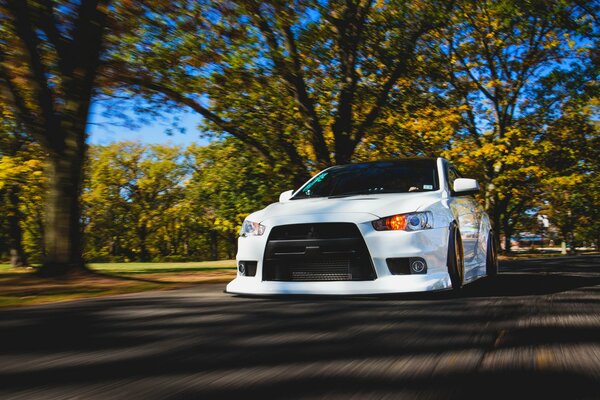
x=532, y=333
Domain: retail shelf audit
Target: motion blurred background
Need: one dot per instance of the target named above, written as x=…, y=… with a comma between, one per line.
x=147, y=130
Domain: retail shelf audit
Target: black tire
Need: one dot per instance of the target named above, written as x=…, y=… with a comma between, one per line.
x=491, y=258
x=456, y=266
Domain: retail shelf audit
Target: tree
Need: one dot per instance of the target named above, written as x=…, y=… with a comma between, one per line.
x=229, y=182
x=417, y=123
x=134, y=192
x=21, y=183
x=49, y=54
x=494, y=58
x=571, y=198
x=302, y=79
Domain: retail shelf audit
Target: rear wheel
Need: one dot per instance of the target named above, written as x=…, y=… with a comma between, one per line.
x=456, y=266
x=491, y=260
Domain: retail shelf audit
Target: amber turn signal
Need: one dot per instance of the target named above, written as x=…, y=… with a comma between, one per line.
x=404, y=222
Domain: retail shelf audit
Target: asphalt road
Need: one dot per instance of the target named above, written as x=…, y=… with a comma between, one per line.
x=533, y=333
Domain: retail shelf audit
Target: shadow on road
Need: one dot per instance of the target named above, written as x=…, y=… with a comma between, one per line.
x=539, y=276
x=533, y=334
x=528, y=284
x=517, y=278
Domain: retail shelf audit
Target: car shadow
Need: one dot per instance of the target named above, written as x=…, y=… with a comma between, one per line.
x=516, y=278
x=528, y=284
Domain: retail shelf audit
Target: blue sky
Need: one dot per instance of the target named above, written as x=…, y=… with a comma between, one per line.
x=105, y=130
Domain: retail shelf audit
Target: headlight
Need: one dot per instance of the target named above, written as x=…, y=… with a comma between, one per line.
x=405, y=222
x=250, y=228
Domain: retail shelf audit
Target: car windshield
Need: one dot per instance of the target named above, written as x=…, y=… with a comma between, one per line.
x=401, y=176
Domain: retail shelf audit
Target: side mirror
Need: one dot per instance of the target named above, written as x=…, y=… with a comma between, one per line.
x=285, y=196
x=465, y=186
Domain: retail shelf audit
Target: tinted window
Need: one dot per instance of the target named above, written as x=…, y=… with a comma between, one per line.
x=373, y=178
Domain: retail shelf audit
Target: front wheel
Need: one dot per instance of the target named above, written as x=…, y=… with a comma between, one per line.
x=456, y=266
x=491, y=258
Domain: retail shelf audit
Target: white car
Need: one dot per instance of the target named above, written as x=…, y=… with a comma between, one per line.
x=407, y=225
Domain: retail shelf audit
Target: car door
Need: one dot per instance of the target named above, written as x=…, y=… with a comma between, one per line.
x=468, y=213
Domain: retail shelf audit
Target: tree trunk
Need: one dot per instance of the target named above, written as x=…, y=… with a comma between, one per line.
x=232, y=248
x=62, y=229
x=495, y=216
x=214, y=253
x=142, y=237
x=18, y=258
x=299, y=178
x=496, y=209
x=507, y=234
x=344, y=148
x=55, y=112
x=491, y=201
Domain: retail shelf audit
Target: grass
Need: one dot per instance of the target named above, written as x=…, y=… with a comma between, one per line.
x=202, y=269
x=19, y=287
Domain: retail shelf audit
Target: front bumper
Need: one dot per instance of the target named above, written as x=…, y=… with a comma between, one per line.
x=430, y=244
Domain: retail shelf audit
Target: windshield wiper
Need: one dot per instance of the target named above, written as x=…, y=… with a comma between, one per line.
x=362, y=192
x=335, y=196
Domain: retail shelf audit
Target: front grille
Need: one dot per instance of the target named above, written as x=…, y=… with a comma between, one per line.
x=317, y=252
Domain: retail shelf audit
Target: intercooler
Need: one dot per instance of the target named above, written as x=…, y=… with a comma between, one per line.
x=317, y=252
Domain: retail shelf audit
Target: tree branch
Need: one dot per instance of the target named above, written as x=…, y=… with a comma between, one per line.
x=292, y=75
x=177, y=97
x=47, y=21
x=19, y=107
x=381, y=99
x=42, y=93
x=471, y=120
x=399, y=69
x=350, y=32
x=476, y=81
x=307, y=105
x=84, y=55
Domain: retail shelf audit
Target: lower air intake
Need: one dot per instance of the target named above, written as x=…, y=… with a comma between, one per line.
x=317, y=252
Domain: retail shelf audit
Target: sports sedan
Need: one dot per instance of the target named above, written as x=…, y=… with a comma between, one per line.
x=407, y=225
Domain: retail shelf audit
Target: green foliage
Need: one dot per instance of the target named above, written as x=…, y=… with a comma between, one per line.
x=133, y=200
x=572, y=164
x=507, y=68
x=228, y=183
x=22, y=185
x=151, y=202
x=301, y=78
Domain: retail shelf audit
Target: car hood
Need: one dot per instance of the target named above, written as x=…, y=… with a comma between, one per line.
x=381, y=205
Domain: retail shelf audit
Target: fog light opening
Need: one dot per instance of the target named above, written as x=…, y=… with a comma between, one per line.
x=418, y=266
x=247, y=268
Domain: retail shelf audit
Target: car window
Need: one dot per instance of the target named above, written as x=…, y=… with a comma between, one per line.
x=373, y=178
